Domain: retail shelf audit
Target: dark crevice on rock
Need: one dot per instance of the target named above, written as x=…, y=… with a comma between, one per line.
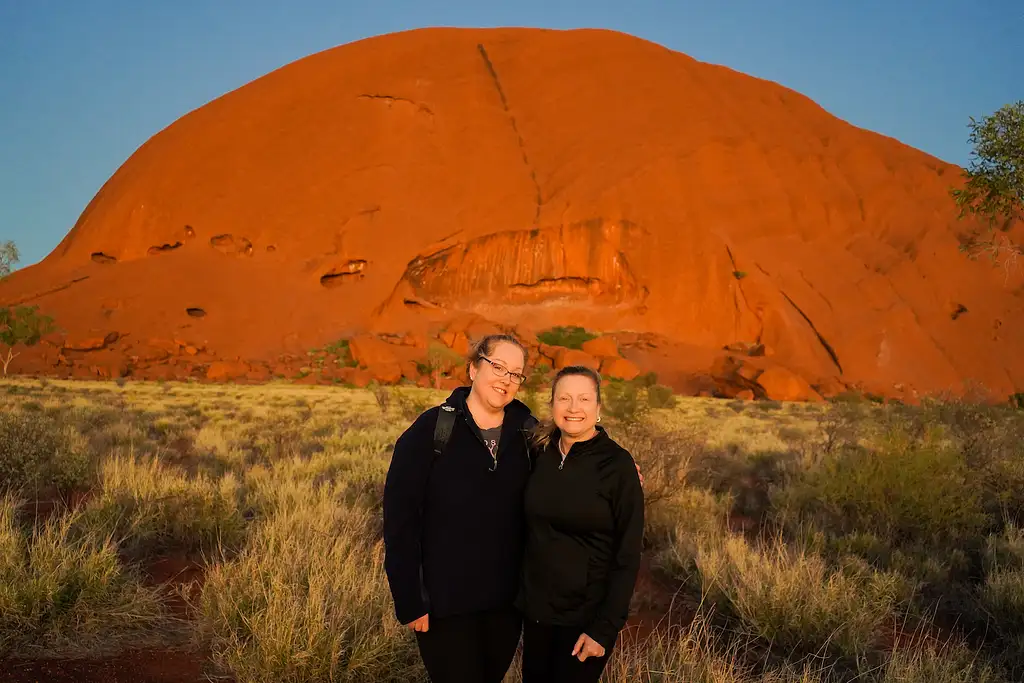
x=159, y=249
x=47, y=292
x=515, y=129
x=824, y=343
x=554, y=282
x=353, y=270
x=391, y=98
x=100, y=257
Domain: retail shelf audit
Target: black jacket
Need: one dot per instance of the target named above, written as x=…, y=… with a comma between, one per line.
x=585, y=525
x=453, y=528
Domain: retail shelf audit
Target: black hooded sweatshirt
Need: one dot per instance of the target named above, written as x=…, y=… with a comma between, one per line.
x=585, y=526
x=454, y=524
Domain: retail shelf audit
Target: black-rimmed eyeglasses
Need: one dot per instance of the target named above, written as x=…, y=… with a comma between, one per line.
x=501, y=371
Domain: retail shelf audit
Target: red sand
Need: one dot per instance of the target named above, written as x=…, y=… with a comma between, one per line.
x=531, y=178
x=147, y=666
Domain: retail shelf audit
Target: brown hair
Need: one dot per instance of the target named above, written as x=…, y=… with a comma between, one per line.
x=485, y=347
x=545, y=431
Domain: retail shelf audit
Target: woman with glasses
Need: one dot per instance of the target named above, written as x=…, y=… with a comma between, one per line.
x=454, y=522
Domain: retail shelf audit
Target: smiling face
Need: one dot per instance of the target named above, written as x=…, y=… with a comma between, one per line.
x=495, y=390
x=575, y=406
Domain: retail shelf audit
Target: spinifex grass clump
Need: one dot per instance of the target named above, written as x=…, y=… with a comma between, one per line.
x=62, y=592
x=307, y=600
x=794, y=600
x=150, y=506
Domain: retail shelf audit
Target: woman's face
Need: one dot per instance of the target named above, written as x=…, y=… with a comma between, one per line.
x=496, y=390
x=575, y=409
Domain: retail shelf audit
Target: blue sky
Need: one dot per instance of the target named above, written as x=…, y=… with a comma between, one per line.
x=84, y=84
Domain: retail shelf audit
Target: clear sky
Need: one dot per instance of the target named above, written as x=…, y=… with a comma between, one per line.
x=84, y=84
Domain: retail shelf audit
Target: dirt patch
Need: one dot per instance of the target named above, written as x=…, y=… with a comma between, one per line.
x=661, y=606
x=50, y=502
x=140, y=666
x=180, y=573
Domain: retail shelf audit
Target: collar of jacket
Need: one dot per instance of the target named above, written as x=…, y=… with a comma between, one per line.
x=516, y=409
x=594, y=443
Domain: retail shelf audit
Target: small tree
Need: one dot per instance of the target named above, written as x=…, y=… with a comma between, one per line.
x=536, y=379
x=441, y=359
x=994, y=183
x=22, y=325
x=8, y=257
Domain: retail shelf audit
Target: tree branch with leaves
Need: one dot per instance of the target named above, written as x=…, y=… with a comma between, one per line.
x=24, y=326
x=993, y=188
x=8, y=257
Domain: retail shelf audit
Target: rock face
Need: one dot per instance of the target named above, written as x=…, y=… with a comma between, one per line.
x=402, y=185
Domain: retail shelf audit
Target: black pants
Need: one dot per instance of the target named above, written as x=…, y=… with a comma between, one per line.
x=470, y=648
x=548, y=658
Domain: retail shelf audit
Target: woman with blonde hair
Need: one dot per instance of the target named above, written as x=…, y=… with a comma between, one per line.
x=585, y=522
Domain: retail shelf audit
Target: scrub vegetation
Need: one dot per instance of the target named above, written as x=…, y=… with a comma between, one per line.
x=240, y=526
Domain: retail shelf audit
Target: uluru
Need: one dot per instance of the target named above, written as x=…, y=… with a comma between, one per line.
x=434, y=183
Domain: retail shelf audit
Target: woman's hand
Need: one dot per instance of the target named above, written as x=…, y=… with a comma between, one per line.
x=422, y=624
x=587, y=647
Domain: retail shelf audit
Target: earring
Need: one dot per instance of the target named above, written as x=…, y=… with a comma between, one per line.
x=598, y=418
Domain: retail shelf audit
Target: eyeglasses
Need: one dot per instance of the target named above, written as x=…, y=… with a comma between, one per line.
x=501, y=371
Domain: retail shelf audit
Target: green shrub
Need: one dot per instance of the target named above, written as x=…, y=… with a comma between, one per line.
x=37, y=452
x=340, y=348
x=531, y=392
x=571, y=337
x=905, y=493
x=622, y=402
x=660, y=396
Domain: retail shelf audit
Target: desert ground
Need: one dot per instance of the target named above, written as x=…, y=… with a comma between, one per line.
x=172, y=532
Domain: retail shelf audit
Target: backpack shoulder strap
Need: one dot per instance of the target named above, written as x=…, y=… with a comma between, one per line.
x=443, y=428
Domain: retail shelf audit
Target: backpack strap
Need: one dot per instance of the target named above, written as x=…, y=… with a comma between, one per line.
x=443, y=428
x=446, y=422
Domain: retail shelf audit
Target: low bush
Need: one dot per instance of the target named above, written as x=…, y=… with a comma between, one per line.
x=571, y=337
x=903, y=492
x=660, y=396
x=38, y=452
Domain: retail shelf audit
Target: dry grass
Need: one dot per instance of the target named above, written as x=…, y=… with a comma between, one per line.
x=804, y=542
x=66, y=593
x=307, y=599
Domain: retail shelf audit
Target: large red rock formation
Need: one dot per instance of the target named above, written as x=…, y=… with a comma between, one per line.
x=533, y=178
